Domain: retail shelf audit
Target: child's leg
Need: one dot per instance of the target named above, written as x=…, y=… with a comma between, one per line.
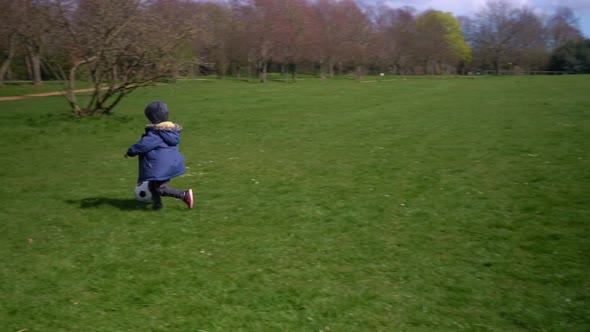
x=160, y=188
x=164, y=190
x=154, y=187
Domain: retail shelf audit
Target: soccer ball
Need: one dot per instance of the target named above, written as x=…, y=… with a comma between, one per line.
x=142, y=192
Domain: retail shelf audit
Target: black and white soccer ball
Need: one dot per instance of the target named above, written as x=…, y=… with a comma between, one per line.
x=142, y=192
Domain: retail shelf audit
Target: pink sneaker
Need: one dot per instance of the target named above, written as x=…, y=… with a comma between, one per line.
x=188, y=198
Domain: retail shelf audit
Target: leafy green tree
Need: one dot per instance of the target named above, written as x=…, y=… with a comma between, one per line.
x=441, y=42
x=573, y=56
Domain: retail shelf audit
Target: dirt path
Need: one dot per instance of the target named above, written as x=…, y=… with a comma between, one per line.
x=46, y=94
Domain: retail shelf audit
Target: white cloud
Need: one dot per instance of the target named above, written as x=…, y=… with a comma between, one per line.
x=457, y=7
x=469, y=7
x=577, y=5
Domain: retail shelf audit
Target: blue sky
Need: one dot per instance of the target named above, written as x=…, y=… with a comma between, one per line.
x=470, y=7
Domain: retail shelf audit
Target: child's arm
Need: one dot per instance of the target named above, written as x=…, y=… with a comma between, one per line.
x=147, y=143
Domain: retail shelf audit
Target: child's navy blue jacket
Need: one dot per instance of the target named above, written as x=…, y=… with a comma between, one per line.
x=159, y=158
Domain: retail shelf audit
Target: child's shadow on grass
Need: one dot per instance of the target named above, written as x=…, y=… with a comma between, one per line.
x=121, y=204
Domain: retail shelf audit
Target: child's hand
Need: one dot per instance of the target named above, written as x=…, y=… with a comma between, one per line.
x=125, y=155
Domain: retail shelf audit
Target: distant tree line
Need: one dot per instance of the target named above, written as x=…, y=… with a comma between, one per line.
x=120, y=45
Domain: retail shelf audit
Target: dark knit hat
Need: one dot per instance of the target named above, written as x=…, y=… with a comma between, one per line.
x=157, y=112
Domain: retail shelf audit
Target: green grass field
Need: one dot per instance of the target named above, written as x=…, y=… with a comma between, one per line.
x=417, y=204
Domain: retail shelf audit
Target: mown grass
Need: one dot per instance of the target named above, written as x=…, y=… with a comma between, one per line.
x=438, y=204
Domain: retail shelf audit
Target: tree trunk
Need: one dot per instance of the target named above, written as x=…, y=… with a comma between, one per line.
x=238, y=70
x=192, y=70
x=70, y=91
x=35, y=65
x=221, y=68
x=115, y=73
x=331, y=68
x=263, y=69
x=6, y=63
x=29, y=68
x=293, y=68
x=322, y=70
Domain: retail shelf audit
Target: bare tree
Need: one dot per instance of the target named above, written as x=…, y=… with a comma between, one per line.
x=8, y=35
x=291, y=35
x=395, y=39
x=327, y=36
x=353, y=35
x=562, y=27
x=215, y=22
x=257, y=16
x=122, y=45
x=495, y=33
x=530, y=43
x=32, y=23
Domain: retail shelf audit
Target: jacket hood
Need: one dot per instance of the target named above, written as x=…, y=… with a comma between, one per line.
x=156, y=112
x=170, y=132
